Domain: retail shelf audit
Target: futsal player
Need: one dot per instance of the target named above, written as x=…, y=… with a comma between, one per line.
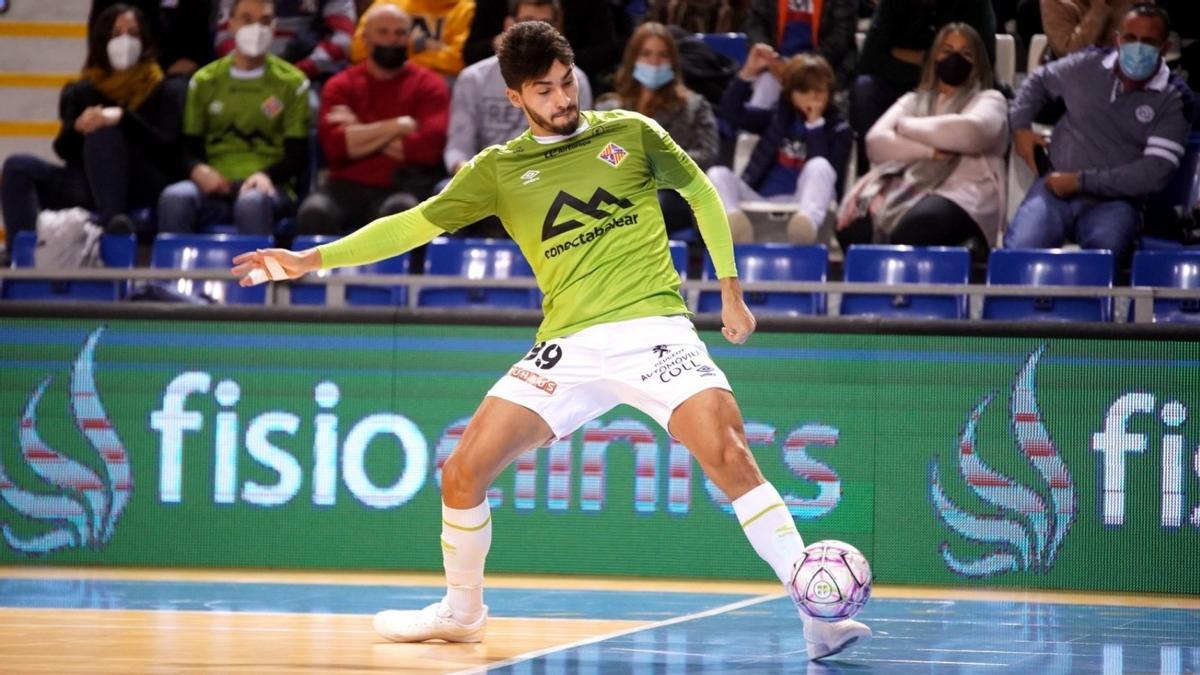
x=578, y=194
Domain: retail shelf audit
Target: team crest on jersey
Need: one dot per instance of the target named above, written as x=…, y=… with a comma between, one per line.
x=272, y=107
x=613, y=154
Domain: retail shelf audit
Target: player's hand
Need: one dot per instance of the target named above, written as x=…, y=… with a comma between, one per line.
x=1064, y=184
x=1024, y=141
x=258, y=181
x=275, y=264
x=91, y=119
x=737, y=321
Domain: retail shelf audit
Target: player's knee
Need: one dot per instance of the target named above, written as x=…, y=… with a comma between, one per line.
x=458, y=484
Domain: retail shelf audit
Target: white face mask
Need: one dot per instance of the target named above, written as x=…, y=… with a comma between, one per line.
x=254, y=40
x=124, y=51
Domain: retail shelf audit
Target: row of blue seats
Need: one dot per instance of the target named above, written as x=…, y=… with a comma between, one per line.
x=500, y=259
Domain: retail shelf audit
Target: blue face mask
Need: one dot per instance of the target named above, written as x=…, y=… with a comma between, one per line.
x=652, y=77
x=1139, y=61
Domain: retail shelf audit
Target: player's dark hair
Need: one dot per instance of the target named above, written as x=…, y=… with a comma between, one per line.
x=528, y=50
x=101, y=32
x=1153, y=10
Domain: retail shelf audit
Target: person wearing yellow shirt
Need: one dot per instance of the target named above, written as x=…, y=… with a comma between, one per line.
x=440, y=29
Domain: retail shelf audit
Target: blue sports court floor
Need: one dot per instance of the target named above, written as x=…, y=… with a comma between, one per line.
x=688, y=632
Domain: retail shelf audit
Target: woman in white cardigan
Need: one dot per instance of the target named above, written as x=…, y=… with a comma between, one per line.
x=937, y=155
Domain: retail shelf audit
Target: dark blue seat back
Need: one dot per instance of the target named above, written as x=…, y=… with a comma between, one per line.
x=117, y=250
x=1049, y=267
x=773, y=262
x=358, y=295
x=1170, y=269
x=209, y=251
x=734, y=45
x=907, y=265
x=477, y=259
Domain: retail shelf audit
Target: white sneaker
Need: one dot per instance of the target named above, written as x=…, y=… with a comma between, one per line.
x=826, y=639
x=435, y=622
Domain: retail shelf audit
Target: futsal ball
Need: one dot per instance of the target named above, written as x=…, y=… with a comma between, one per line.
x=832, y=581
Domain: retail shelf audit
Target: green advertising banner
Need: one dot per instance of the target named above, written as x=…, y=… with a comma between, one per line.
x=1033, y=462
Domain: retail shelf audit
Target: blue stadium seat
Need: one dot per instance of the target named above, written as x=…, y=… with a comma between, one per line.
x=117, y=250
x=477, y=259
x=1175, y=197
x=734, y=45
x=774, y=262
x=1049, y=267
x=907, y=265
x=679, y=256
x=209, y=251
x=360, y=295
x=1169, y=269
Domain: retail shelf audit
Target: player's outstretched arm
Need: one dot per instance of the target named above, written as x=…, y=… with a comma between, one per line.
x=275, y=264
x=737, y=321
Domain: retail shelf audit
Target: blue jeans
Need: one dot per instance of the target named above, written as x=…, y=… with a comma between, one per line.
x=31, y=184
x=183, y=208
x=1046, y=221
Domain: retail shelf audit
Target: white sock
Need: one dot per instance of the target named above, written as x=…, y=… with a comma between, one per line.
x=466, y=538
x=769, y=527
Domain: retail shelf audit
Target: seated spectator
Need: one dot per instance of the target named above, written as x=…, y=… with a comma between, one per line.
x=1074, y=25
x=587, y=24
x=938, y=171
x=119, y=135
x=480, y=112
x=1121, y=139
x=900, y=35
x=650, y=81
x=313, y=35
x=799, y=26
x=182, y=31
x=700, y=16
x=245, y=128
x=802, y=150
x=381, y=122
x=439, y=30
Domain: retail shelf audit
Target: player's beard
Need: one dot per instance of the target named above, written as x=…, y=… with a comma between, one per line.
x=563, y=123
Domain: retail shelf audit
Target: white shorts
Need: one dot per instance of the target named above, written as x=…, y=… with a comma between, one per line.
x=653, y=364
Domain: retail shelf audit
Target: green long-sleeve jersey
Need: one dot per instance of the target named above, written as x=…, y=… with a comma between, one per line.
x=584, y=211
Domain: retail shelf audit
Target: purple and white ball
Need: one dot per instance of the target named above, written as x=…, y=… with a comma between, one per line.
x=832, y=581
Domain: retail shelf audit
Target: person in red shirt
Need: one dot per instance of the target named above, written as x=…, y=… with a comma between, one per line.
x=382, y=126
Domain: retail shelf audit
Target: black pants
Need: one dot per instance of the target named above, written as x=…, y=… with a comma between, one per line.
x=341, y=206
x=933, y=221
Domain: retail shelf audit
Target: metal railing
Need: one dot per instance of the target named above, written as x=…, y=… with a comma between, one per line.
x=278, y=294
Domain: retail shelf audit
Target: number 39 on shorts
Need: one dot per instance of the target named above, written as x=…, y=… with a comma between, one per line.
x=544, y=355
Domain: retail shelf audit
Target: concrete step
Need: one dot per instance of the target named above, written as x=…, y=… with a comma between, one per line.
x=40, y=54
x=64, y=11
x=28, y=103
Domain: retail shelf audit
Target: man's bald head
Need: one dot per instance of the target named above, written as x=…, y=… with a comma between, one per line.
x=385, y=25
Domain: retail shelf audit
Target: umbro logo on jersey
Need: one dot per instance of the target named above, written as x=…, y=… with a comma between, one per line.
x=530, y=176
x=552, y=228
x=613, y=154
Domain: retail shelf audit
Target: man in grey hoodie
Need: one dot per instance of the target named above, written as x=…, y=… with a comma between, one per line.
x=1121, y=140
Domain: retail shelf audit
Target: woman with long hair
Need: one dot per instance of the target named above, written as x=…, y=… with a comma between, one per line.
x=650, y=81
x=937, y=155
x=119, y=135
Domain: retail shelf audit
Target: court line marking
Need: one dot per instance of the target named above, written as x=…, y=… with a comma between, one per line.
x=528, y=656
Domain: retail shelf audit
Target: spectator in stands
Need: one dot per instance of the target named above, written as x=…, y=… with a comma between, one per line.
x=826, y=27
x=587, y=24
x=245, y=128
x=650, y=81
x=480, y=112
x=1121, y=139
x=897, y=42
x=119, y=135
x=439, y=30
x=700, y=16
x=313, y=35
x=1074, y=25
x=803, y=148
x=937, y=156
x=382, y=126
x=1026, y=14
x=182, y=31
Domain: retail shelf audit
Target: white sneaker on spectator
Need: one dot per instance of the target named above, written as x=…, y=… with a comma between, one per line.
x=826, y=639
x=435, y=622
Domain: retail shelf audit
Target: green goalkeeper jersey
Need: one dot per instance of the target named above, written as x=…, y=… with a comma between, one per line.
x=584, y=211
